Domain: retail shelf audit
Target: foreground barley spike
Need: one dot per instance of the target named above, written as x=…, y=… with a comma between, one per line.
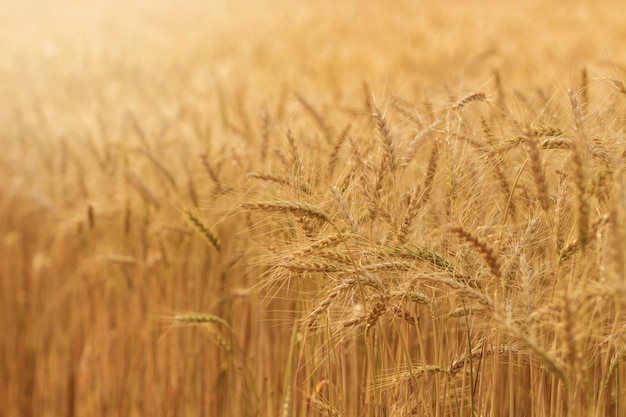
x=578, y=165
x=200, y=318
x=468, y=99
x=278, y=179
x=298, y=209
x=204, y=230
x=385, y=133
x=537, y=170
x=481, y=246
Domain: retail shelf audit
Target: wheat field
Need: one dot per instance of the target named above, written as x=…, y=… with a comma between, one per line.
x=255, y=208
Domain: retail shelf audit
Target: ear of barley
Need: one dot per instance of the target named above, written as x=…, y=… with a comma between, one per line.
x=311, y=266
x=584, y=86
x=317, y=117
x=266, y=122
x=199, y=318
x=204, y=230
x=620, y=86
x=417, y=140
x=147, y=195
x=536, y=168
x=278, y=179
x=298, y=209
x=412, y=116
x=295, y=154
x=468, y=99
x=481, y=246
x=419, y=197
x=579, y=175
x=320, y=245
x=91, y=217
x=334, y=154
x=160, y=167
x=344, y=210
x=374, y=314
x=387, y=139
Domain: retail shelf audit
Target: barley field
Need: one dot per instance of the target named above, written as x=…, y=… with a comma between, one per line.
x=279, y=208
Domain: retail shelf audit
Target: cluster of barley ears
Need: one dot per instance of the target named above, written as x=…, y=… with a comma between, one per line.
x=466, y=264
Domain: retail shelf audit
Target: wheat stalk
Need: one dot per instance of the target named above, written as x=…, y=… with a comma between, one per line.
x=537, y=169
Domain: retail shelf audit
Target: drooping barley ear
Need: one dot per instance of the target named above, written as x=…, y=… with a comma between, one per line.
x=579, y=174
x=225, y=118
x=160, y=167
x=429, y=107
x=319, y=245
x=297, y=209
x=568, y=250
x=199, y=318
x=334, y=154
x=618, y=357
x=422, y=254
x=387, y=139
x=417, y=140
x=421, y=195
x=136, y=126
x=463, y=312
x=430, y=172
x=91, y=217
x=357, y=155
x=242, y=112
x=317, y=117
x=411, y=213
x=466, y=359
x=204, y=230
x=487, y=131
x=325, y=304
x=128, y=217
x=367, y=94
x=374, y=314
x=466, y=290
x=546, y=358
x=309, y=226
x=143, y=190
x=502, y=181
x=581, y=196
x=536, y=168
x=570, y=353
x=295, y=154
x=412, y=116
x=266, y=123
x=578, y=114
x=279, y=179
x=283, y=159
x=616, y=236
x=210, y=170
x=414, y=372
x=468, y=99
x=589, y=233
x=556, y=143
x=344, y=209
x=219, y=340
x=497, y=79
x=305, y=266
x=481, y=246
x=375, y=194
x=584, y=87
x=507, y=146
x=620, y=86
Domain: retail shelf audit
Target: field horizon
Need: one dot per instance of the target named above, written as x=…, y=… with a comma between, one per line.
x=334, y=209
